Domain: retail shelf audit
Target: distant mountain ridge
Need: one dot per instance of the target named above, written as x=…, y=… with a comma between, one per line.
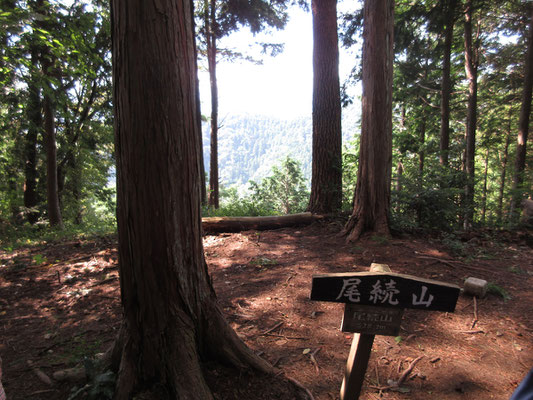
x=250, y=145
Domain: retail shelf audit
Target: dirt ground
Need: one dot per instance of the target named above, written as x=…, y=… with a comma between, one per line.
x=60, y=303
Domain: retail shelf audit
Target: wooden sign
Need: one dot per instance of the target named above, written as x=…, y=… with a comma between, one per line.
x=385, y=289
x=372, y=320
x=374, y=303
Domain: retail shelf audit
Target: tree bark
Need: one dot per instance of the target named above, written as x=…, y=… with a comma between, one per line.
x=471, y=67
x=326, y=179
x=47, y=65
x=35, y=122
x=239, y=224
x=446, y=85
x=422, y=142
x=503, y=173
x=421, y=156
x=171, y=319
x=201, y=167
x=54, y=212
x=523, y=123
x=372, y=192
x=484, y=192
x=211, y=39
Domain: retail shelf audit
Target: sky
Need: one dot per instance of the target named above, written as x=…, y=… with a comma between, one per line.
x=282, y=86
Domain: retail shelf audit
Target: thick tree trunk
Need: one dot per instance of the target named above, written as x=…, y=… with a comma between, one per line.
x=446, y=85
x=35, y=122
x=171, y=318
x=523, y=123
x=471, y=67
x=372, y=192
x=326, y=180
x=214, y=200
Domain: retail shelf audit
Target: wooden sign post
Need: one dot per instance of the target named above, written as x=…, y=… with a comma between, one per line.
x=375, y=302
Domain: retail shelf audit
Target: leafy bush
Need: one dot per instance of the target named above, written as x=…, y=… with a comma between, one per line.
x=283, y=192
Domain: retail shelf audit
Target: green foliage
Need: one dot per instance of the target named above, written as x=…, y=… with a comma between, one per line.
x=284, y=191
x=498, y=291
x=455, y=245
x=75, y=37
x=350, y=158
x=424, y=194
x=237, y=207
x=13, y=236
x=39, y=259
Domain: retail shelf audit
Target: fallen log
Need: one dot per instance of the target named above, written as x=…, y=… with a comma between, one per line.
x=238, y=224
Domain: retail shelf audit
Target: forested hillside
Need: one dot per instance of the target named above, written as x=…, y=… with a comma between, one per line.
x=250, y=145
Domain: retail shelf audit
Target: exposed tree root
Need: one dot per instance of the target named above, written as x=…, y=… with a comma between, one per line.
x=359, y=224
x=179, y=374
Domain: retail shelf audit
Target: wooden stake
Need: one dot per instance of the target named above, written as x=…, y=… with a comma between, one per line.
x=356, y=366
x=359, y=356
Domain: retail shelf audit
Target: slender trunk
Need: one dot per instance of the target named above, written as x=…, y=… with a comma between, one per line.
x=471, y=68
x=201, y=168
x=399, y=180
x=422, y=142
x=54, y=212
x=214, y=200
x=326, y=180
x=69, y=164
x=76, y=191
x=503, y=173
x=34, y=116
x=523, y=123
x=484, y=193
x=399, y=184
x=446, y=85
x=372, y=192
x=400, y=168
x=52, y=189
x=421, y=160
x=7, y=76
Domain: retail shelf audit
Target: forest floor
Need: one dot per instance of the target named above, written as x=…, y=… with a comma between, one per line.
x=60, y=302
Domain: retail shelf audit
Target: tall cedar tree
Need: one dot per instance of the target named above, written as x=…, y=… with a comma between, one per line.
x=211, y=42
x=326, y=181
x=471, y=68
x=446, y=84
x=525, y=111
x=35, y=125
x=372, y=191
x=35, y=122
x=52, y=190
x=171, y=317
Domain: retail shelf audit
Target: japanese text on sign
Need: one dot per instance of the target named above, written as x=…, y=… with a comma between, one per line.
x=382, y=293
